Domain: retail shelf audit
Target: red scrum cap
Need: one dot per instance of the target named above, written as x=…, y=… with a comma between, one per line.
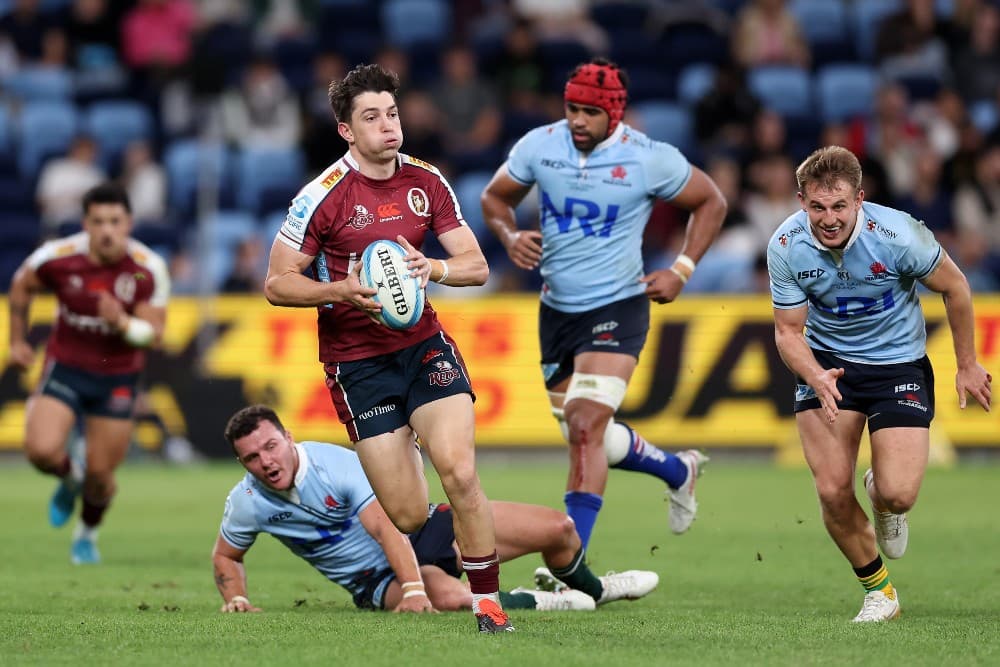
x=599, y=85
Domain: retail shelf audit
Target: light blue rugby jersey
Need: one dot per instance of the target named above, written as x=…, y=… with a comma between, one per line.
x=594, y=209
x=319, y=521
x=863, y=306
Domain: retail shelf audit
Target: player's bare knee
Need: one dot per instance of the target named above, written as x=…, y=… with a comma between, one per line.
x=451, y=600
x=44, y=459
x=459, y=480
x=899, y=500
x=408, y=519
x=564, y=528
x=836, y=499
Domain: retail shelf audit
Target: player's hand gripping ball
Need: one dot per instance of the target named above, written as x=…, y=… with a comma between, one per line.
x=383, y=268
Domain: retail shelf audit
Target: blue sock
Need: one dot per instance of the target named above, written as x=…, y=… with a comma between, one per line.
x=644, y=457
x=583, y=507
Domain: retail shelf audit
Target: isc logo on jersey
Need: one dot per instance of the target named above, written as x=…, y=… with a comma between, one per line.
x=383, y=268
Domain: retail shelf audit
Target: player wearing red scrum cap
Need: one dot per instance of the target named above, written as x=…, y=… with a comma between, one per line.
x=598, y=179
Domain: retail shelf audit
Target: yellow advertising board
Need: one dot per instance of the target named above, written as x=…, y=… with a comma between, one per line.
x=709, y=374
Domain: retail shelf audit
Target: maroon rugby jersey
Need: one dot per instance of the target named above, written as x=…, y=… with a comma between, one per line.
x=80, y=338
x=338, y=214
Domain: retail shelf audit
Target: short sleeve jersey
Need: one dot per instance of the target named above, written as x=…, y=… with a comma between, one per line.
x=862, y=302
x=594, y=209
x=80, y=338
x=318, y=521
x=336, y=216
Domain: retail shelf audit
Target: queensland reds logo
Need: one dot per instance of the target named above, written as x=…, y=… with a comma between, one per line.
x=361, y=218
x=125, y=287
x=444, y=375
x=418, y=202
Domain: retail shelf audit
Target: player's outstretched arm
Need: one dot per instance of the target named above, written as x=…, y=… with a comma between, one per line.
x=22, y=289
x=231, y=577
x=501, y=196
x=402, y=560
x=971, y=378
x=795, y=352
x=465, y=265
x=286, y=286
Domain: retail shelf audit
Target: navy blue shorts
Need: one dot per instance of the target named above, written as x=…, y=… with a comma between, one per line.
x=90, y=393
x=377, y=395
x=433, y=544
x=891, y=395
x=617, y=327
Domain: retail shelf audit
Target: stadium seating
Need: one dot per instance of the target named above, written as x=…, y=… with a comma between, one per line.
x=45, y=128
x=266, y=176
x=694, y=82
x=115, y=124
x=222, y=233
x=35, y=83
x=666, y=121
x=844, y=91
x=618, y=15
x=408, y=22
x=866, y=19
x=784, y=89
x=825, y=26
x=188, y=162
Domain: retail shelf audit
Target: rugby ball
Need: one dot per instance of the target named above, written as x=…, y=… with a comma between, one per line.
x=383, y=268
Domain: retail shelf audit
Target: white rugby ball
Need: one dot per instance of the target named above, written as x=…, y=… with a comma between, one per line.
x=384, y=269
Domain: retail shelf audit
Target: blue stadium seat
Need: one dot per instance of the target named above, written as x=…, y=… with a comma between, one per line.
x=6, y=131
x=786, y=90
x=984, y=116
x=44, y=128
x=649, y=83
x=264, y=174
x=867, y=19
x=468, y=188
x=408, y=22
x=618, y=15
x=188, y=162
x=294, y=57
x=844, y=91
x=116, y=123
x=688, y=43
x=666, y=121
x=35, y=83
x=821, y=21
x=224, y=231
x=694, y=82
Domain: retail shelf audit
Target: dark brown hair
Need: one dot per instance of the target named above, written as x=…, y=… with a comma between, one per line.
x=361, y=79
x=109, y=192
x=246, y=421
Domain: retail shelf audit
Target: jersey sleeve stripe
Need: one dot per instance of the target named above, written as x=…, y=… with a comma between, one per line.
x=782, y=304
x=519, y=179
x=938, y=258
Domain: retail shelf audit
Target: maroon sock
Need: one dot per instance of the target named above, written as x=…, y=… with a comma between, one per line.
x=483, y=573
x=93, y=512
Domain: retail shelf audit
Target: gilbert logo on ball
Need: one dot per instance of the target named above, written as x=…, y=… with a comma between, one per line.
x=383, y=268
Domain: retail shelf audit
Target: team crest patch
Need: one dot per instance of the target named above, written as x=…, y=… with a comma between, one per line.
x=417, y=199
x=783, y=240
x=361, y=218
x=125, y=287
x=445, y=374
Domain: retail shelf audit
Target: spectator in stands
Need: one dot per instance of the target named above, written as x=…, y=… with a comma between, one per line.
x=774, y=195
x=977, y=205
x=723, y=117
x=469, y=108
x=157, y=33
x=262, y=112
x=25, y=25
x=977, y=64
x=63, y=182
x=146, y=183
x=929, y=201
x=248, y=270
x=92, y=29
x=767, y=33
x=563, y=20
x=424, y=135
x=912, y=43
x=320, y=138
x=892, y=137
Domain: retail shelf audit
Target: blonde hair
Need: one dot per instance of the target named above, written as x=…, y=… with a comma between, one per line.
x=825, y=166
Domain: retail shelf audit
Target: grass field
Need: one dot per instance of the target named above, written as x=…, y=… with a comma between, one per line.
x=755, y=581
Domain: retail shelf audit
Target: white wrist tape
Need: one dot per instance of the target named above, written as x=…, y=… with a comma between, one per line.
x=139, y=332
x=679, y=274
x=685, y=261
x=413, y=594
x=412, y=584
x=444, y=271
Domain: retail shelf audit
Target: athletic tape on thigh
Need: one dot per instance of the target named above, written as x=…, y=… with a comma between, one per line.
x=605, y=389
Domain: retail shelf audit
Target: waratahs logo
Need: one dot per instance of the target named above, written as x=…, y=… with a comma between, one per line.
x=878, y=270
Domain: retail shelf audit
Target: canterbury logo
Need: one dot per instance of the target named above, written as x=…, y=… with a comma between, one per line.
x=388, y=210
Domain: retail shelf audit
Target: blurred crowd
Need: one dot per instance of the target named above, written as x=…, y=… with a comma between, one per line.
x=214, y=112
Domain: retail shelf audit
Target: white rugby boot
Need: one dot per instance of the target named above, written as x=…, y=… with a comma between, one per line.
x=628, y=585
x=879, y=606
x=892, y=531
x=564, y=600
x=683, y=505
